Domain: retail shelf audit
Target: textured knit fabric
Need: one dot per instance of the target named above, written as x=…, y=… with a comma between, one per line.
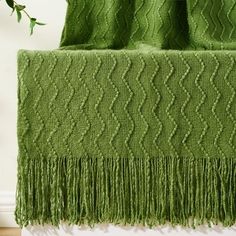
x=132, y=120
x=126, y=23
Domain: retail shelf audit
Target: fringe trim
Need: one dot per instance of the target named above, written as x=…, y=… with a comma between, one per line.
x=150, y=192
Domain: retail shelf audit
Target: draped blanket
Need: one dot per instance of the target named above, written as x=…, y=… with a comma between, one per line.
x=132, y=120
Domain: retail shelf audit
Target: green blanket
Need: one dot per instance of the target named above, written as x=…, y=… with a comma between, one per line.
x=132, y=120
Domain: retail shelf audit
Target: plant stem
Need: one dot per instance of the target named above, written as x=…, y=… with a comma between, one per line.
x=26, y=13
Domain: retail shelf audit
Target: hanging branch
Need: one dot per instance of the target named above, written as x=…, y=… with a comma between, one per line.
x=19, y=9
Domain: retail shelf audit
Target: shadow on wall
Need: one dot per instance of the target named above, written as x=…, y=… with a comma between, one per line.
x=112, y=230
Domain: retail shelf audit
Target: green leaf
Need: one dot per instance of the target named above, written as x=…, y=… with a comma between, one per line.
x=13, y=9
x=10, y=3
x=19, y=16
x=20, y=7
x=40, y=23
x=33, y=22
x=32, y=25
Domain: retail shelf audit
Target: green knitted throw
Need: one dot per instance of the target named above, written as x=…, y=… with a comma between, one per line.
x=132, y=120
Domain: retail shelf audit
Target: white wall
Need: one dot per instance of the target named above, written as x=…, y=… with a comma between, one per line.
x=14, y=36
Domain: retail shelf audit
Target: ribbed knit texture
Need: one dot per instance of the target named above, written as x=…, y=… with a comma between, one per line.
x=133, y=119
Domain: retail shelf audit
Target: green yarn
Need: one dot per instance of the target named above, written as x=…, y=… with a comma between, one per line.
x=132, y=120
x=119, y=24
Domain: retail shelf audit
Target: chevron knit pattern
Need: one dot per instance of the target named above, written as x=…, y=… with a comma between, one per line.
x=133, y=119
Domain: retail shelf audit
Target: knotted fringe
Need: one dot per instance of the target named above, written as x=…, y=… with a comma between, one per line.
x=185, y=191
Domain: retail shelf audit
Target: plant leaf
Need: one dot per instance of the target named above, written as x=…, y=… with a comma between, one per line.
x=13, y=9
x=40, y=23
x=19, y=16
x=20, y=7
x=10, y=3
x=32, y=25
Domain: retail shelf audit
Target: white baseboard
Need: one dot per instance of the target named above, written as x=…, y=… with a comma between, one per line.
x=7, y=208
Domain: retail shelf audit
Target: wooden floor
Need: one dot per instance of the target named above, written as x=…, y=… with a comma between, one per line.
x=10, y=232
